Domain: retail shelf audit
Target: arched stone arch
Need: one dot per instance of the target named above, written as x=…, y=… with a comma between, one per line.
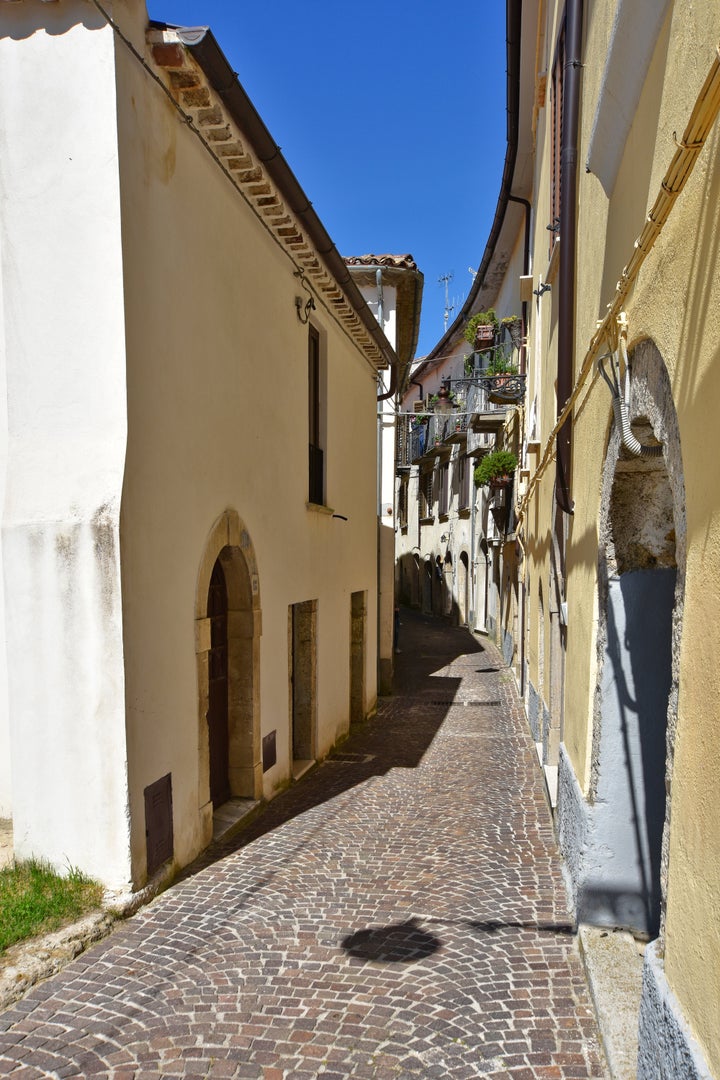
x=621, y=872
x=463, y=587
x=229, y=544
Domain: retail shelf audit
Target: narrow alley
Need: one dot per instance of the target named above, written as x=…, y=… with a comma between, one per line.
x=400, y=912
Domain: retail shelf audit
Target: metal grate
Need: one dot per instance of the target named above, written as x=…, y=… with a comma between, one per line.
x=350, y=759
x=451, y=701
x=158, y=823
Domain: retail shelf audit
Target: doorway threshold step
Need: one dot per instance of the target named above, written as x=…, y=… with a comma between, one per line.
x=301, y=766
x=228, y=816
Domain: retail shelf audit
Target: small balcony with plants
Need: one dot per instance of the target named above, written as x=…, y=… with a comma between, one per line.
x=495, y=358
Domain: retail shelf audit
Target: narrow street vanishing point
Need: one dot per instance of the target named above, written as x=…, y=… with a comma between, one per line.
x=399, y=912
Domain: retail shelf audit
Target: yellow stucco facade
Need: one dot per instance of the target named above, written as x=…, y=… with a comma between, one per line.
x=673, y=339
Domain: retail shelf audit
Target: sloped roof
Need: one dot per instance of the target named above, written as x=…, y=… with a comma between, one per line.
x=400, y=262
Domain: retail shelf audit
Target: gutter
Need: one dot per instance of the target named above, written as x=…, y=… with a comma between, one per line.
x=202, y=46
x=513, y=22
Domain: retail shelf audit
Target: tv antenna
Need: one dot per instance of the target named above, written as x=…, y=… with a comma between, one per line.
x=445, y=280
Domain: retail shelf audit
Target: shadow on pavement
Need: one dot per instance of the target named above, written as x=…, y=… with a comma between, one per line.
x=398, y=736
x=393, y=944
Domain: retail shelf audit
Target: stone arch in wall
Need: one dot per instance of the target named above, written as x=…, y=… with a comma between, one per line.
x=229, y=546
x=426, y=602
x=641, y=577
x=463, y=587
x=416, y=587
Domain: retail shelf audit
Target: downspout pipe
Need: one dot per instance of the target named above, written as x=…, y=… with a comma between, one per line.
x=526, y=265
x=568, y=239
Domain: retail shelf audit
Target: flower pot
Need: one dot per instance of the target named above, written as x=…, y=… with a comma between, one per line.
x=514, y=329
x=484, y=337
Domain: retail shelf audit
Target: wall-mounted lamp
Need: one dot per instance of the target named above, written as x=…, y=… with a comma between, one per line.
x=304, y=307
x=554, y=226
x=543, y=287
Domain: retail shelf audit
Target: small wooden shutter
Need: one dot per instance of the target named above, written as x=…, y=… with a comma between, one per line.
x=158, y=823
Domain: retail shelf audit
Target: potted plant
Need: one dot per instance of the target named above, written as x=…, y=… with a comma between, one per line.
x=501, y=383
x=496, y=469
x=481, y=328
x=500, y=365
x=513, y=325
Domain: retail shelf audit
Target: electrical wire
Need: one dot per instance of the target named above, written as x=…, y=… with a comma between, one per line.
x=702, y=118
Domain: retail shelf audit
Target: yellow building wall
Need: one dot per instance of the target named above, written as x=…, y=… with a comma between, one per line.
x=676, y=303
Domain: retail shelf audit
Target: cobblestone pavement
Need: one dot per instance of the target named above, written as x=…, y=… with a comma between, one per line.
x=398, y=913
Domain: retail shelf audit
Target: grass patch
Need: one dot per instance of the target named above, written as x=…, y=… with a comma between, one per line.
x=35, y=900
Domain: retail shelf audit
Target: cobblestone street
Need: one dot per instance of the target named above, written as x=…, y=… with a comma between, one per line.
x=398, y=913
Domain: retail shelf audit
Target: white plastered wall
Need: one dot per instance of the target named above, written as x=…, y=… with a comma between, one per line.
x=62, y=297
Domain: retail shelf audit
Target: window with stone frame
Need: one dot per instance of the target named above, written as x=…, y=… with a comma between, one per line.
x=425, y=495
x=443, y=488
x=464, y=474
x=402, y=505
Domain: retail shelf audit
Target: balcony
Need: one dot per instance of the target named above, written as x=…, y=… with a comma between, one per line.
x=485, y=415
x=504, y=389
x=480, y=403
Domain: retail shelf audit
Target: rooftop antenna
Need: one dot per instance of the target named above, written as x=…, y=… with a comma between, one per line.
x=445, y=280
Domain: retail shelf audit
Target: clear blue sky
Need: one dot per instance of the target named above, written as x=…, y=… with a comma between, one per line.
x=392, y=117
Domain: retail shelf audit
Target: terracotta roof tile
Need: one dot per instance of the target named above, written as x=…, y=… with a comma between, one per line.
x=402, y=262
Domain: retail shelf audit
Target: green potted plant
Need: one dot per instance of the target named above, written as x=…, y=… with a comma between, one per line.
x=481, y=328
x=513, y=325
x=496, y=469
x=500, y=365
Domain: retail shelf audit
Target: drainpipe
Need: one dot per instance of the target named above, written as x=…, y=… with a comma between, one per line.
x=568, y=237
x=380, y=318
x=526, y=270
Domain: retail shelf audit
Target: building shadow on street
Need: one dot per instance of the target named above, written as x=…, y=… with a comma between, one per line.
x=397, y=737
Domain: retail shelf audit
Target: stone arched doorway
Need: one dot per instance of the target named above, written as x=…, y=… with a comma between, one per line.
x=227, y=637
x=426, y=603
x=641, y=589
x=416, y=586
x=463, y=588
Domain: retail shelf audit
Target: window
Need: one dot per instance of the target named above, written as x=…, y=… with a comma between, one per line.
x=443, y=493
x=402, y=444
x=403, y=502
x=425, y=500
x=316, y=484
x=465, y=472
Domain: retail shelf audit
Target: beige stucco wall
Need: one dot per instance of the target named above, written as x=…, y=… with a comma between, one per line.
x=217, y=418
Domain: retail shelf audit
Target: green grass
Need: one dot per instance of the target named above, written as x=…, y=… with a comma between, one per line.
x=35, y=900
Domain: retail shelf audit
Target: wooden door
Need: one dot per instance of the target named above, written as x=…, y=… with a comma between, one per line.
x=217, y=716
